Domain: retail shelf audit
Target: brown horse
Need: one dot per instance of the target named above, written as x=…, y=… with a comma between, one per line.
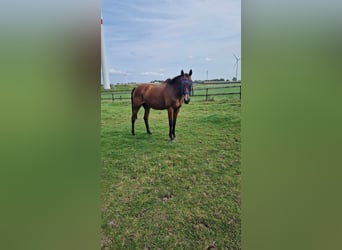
x=169, y=95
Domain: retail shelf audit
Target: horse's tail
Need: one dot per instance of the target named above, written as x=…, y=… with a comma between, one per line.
x=132, y=97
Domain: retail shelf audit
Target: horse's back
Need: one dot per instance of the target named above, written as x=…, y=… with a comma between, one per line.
x=141, y=89
x=151, y=94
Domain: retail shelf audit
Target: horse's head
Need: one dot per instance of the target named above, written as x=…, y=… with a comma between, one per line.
x=186, y=85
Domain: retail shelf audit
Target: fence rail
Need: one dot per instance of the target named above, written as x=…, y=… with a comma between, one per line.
x=205, y=92
x=113, y=95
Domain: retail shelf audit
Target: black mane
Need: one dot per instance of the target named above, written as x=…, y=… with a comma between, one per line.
x=168, y=80
x=173, y=80
x=176, y=79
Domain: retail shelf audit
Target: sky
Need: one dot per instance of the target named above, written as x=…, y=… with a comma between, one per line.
x=148, y=40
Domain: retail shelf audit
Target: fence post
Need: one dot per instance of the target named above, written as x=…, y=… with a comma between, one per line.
x=240, y=92
x=112, y=97
x=206, y=94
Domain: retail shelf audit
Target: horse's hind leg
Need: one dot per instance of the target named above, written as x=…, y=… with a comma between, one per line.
x=146, y=115
x=134, y=116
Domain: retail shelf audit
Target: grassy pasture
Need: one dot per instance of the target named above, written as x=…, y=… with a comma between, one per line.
x=162, y=195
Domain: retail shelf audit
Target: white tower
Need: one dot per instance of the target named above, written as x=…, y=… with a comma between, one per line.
x=104, y=68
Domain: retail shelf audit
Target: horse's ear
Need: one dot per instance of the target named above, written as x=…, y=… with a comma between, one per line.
x=190, y=72
x=182, y=73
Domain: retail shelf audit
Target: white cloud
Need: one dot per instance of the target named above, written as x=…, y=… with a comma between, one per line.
x=152, y=73
x=117, y=72
x=208, y=59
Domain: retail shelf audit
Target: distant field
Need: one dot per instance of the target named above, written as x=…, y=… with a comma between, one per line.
x=122, y=92
x=162, y=195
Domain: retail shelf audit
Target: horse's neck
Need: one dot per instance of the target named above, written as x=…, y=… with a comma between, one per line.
x=174, y=89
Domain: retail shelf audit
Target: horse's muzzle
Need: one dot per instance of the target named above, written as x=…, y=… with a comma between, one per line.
x=186, y=98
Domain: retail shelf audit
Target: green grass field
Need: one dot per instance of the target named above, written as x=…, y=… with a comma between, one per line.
x=162, y=195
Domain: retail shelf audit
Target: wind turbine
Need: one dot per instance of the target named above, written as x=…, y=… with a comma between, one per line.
x=104, y=67
x=236, y=65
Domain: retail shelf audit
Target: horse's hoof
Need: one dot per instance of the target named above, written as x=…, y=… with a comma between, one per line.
x=173, y=140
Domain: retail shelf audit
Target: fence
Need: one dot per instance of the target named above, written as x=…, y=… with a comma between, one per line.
x=207, y=95
x=115, y=95
x=206, y=92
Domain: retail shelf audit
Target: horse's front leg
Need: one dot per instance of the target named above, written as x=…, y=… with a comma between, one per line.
x=175, y=114
x=171, y=115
